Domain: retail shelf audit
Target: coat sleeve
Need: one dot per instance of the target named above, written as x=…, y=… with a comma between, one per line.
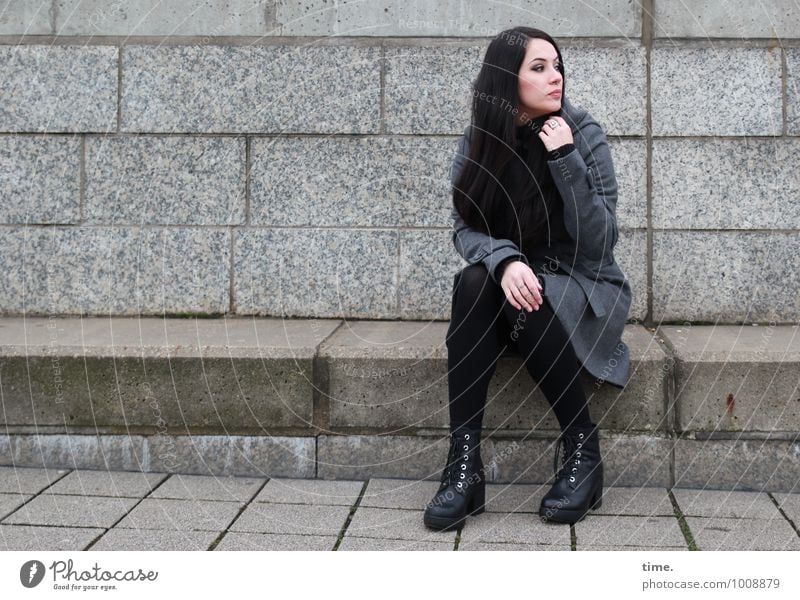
x=475, y=246
x=588, y=186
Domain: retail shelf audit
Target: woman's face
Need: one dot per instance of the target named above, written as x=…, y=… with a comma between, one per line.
x=539, y=77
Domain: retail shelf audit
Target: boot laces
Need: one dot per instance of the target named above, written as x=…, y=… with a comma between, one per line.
x=572, y=455
x=459, y=459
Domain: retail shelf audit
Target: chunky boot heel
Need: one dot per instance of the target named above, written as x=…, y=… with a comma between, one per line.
x=579, y=480
x=462, y=490
x=477, y=504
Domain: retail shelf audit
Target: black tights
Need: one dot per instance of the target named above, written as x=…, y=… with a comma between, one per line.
x=473, y=348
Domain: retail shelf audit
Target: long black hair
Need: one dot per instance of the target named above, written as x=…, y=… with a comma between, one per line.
x=505, y=188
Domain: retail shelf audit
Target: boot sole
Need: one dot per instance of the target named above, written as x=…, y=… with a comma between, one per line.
x=447, y=524
x=563, y=515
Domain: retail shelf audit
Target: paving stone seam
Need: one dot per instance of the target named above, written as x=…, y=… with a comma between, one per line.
x=682, y=523
x=244, y=506
x=33, y=496
x=792, y=524
x=350, y=516
x=113, y=525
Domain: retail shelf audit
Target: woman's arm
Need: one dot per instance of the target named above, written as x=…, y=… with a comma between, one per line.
x=475, y=246
x=588, y=187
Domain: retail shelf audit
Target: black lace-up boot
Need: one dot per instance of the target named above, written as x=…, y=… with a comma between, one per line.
x=579, y=481
x=463, y=487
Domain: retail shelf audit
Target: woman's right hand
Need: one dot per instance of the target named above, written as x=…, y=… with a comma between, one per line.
x=521, y=286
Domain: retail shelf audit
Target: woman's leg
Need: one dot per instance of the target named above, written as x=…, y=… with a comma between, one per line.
x=472, y=345
x=550, y=359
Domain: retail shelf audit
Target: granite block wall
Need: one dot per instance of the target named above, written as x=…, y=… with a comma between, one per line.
x=291, y=158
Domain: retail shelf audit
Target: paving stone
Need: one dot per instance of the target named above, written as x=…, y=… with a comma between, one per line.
x=628, y=548
x=208, y=487
x=10, y=502
x=190, y=515
x=30, y=537
x=375, y=544
x=411, y=494
x=268, y=517
x=743, y=534
x=503, y=547
x=650, y=532
x=310, y=491
x=28, y=480
x=394, y=524
x=84, y=482
x=636, y=501
x=523, y=529
x=789, y=504
x=235, y=540
x=516, y=498
x=155, y=539
x=72, y=511
x=723, y=504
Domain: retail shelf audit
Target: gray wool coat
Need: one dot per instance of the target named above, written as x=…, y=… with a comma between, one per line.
x=586, y=288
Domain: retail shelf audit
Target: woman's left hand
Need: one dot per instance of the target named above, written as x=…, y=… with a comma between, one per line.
x=555, y=137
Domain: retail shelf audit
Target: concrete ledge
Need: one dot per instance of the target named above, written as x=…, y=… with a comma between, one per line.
x=705, y=406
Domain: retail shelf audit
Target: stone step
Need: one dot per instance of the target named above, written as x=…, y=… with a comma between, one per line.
x=705, y=406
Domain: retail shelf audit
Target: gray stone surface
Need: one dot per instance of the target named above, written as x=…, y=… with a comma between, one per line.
x=84, y=482
x=740, y=92
x=792, y=90
x=11, y=502
x=365, y=456
x=204, y=487
x=253, y=89
x=350, y=181
x=316, y=272
x=650, y=532
x=299, y=519
x=723, y=504
x=504, y=547
x=24, y=480
x=70, y=451
x=717, y=276
x=630, y=169
x=609, y=82
x=310, y=491
x=438, y=78
x=26, y=17
x=631, y=256
x=155, y=17
x=453, y=18
x=743, y=534
x=394, y=524
x=737, y=464
x=165, y=180
x=398, y=493
x=736, y=378
x=350, y=543
x=516, y=528
x=426, y=273
x=775, y=19
x=119, y=271
x=71, y=511
x=34, y=538
x=39, y=179
x=635, y=501
x=243, y=456
x=236, y=541
x=75, y=88
x=394, y=374
x=725, y=184
x=154, y=540
x=181, y=515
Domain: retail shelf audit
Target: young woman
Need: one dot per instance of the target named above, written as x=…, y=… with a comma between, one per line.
x=534, y=216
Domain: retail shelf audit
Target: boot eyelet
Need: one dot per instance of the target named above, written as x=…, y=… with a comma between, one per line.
x=463, y=467
x=574, y=469
x=572, y=479
x=466, y=457
x=466, y=448
x=466, y=436
x=580, y=435
x=462, y=476
x=577, y=454
x=458, y=485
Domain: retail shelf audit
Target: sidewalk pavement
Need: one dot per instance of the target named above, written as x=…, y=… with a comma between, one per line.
x=46, y=509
